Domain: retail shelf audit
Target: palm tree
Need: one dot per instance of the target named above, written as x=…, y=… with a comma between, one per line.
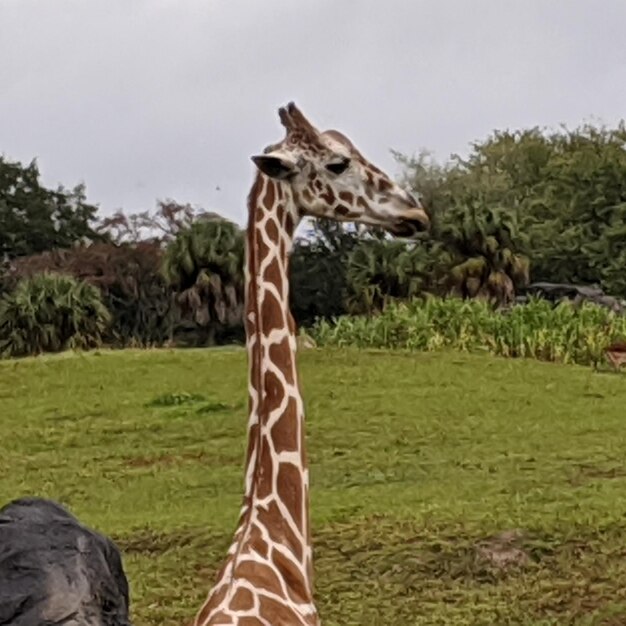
x=482, y=248
x=204, y=264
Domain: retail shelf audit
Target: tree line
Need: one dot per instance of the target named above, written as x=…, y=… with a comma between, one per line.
x=523, y=205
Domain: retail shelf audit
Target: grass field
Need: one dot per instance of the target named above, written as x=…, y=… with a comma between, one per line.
x=446, y=488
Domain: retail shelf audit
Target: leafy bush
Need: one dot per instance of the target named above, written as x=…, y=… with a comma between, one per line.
x=382, y=270
x=563, y=333
x=128, y=276
x=51, y=313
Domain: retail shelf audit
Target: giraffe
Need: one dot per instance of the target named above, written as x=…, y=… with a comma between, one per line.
x=267, y=575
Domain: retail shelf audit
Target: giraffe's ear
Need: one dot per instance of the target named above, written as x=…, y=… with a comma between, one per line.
x=275, y=165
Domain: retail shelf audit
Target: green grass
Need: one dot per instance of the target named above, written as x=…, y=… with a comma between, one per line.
x=425, y=469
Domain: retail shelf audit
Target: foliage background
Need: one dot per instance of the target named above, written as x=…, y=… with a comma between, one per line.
x=528, y=205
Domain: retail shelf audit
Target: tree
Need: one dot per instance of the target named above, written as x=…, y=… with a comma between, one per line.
x=160, y=226
x=584, y=188
x=428, y=179
x=204, y=264
x=318, y=267
x=566, y=190
x=482, y=254
x=34, y=219
x=608, y=253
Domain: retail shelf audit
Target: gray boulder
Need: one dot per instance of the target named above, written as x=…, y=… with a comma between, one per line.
x=577, y=294
x=55, y=571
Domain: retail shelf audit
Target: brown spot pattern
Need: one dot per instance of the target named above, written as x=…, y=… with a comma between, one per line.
x=273, y=392
x=258, y=574
x=272, y=519
x=253, y=437
x=216, y=599
x=258, y=543
x=278, y=614
x=271, y=230
x=243, y=600
x=296, y=584
x=271, y=313
x=280, y=354
x=285, y=430
x=290, y=491
x=291, y=324
x=270, y=196
x=262, y=249
x=274, y=274
x=248, y=621
x=384, y=184
x=328, y=196
x=289, y=224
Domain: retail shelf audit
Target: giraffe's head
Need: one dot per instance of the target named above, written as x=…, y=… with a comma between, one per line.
x=330, y=178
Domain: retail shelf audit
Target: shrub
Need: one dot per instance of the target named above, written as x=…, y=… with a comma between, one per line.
x=380, y=271
x=563, y=333
x=128, y=277
x=51, y=313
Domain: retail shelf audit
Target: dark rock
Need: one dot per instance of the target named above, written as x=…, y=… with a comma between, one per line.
x=577, y=294
x=55, y=571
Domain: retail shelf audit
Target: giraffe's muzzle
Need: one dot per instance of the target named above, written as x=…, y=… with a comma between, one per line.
x=413, y=223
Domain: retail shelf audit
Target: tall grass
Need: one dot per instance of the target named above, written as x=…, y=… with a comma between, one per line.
x=564, y=333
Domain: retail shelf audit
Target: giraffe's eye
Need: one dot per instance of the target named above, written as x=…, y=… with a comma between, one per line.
x=338, y=167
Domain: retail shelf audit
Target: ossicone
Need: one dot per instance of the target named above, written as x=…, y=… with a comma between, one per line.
x=294, y=120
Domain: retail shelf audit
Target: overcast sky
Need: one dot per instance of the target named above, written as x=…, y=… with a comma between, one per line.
x=148, y=99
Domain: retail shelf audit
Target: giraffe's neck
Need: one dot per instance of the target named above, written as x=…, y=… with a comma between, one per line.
x=276, y=457
x=272, y=542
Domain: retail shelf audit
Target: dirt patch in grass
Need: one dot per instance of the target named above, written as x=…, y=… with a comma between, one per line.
x=594, y=471
x=504, y=551
x=389, y=572
x=583, y=473
x=148, y=542
x=165, y=460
